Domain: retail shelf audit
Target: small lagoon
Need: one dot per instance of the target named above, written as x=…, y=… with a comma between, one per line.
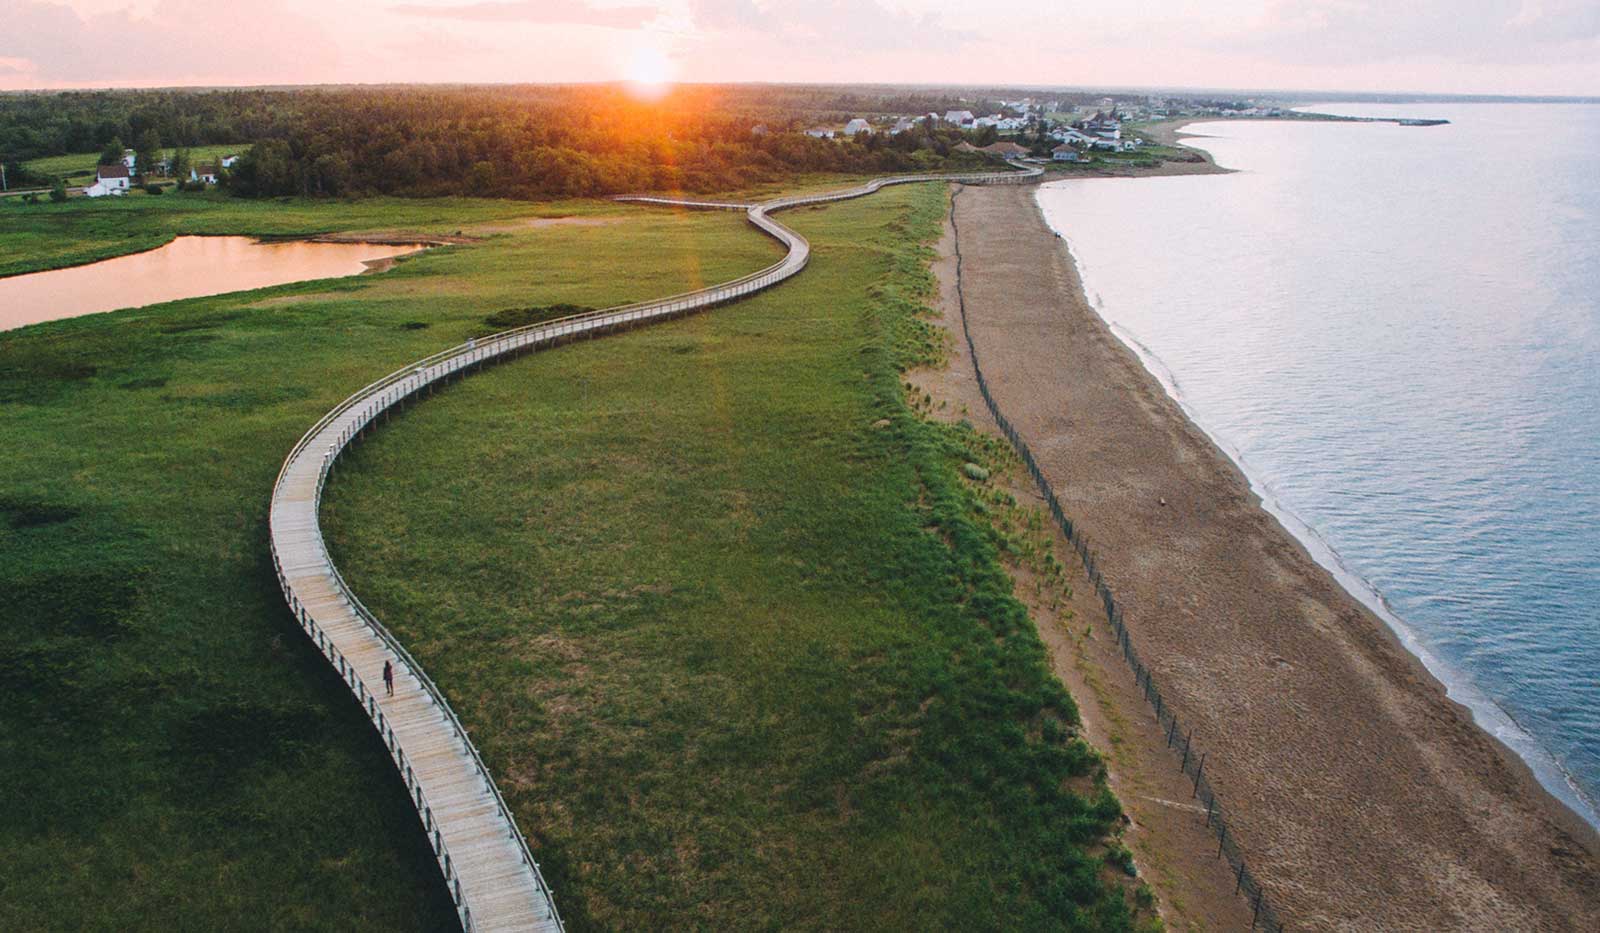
x=187, y=267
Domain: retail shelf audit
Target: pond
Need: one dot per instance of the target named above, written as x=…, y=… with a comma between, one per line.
x=188, y=267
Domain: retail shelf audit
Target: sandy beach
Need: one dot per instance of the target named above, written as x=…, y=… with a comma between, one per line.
x=1363, y=797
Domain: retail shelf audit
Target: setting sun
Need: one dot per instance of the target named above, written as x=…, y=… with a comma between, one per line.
x=649, y=72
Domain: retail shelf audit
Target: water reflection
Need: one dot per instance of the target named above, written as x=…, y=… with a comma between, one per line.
x=188, y=267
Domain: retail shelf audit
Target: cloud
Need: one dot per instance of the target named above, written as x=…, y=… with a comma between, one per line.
x=543, y=12
x=178, y=41
x=1480, y=31
x=824, y=27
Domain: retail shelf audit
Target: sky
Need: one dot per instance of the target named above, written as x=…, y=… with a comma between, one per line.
x=1435, y=46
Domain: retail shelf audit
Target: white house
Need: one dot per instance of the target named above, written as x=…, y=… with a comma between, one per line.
x=109, y=179
x=902, y=125
x=1074, y=137
x=857, y=125
x=820, y=133
x=1065, y=153
x=228, y=160
x=129, y=157
x=959, y=117
x=205, y=171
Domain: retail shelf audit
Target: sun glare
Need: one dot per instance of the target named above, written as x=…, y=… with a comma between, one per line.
x=649, y=73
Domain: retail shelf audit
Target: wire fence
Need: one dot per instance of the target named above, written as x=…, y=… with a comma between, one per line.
x=319, y=448
x=1179, y=739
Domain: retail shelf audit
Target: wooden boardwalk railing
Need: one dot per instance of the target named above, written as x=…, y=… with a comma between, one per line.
x=484, y=857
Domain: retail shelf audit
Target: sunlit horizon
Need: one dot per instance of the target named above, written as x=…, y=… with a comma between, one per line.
x=1494, y=47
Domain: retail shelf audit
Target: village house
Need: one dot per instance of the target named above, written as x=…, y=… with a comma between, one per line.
x=228, y=160
x=857, y=125
x=109, y=179
x=820, y=133
x=1073, y=137
x=1065, y=153
x=961, y=118
x=205, y=171
x=1004, y=150
x=902, y=125
x=129, y=157
x=1102, y=124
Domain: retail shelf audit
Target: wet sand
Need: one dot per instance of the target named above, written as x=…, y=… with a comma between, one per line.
x=1363, y=797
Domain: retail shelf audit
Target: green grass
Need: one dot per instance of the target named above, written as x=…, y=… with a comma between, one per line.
x=740, y=655
x=47, y=236
x=74, y=166
x=173, y=752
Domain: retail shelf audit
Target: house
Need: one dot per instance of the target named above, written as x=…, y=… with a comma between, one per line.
x=1065, y=153
x=962, y=118
x=1073, y=137
x=903, y=125
x=820, y=133
x=109, y=179
x=205, y=171
x=857, y=125
x=1130, y=145
x=1005, y=150
x=228, y=160
x=1102, y=124
x=129, y=157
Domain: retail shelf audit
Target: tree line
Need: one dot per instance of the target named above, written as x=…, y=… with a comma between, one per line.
x=506, y=141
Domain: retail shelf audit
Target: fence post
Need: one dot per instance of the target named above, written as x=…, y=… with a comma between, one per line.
x=1200, y=769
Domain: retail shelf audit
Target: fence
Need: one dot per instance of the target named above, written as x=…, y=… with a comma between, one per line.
x=1193, y=760
x=318, y=450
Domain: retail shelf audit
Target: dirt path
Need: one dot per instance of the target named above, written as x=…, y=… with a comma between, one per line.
x=1363, y=797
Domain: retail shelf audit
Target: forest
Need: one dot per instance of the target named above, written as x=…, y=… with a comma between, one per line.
x=529, y=141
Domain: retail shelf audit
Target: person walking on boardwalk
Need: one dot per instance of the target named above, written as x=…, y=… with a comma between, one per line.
x=388, y=677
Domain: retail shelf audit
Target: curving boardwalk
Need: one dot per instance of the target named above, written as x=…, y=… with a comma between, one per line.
x=482, y=854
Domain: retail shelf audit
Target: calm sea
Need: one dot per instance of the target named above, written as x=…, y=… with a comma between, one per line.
x=1396, y=332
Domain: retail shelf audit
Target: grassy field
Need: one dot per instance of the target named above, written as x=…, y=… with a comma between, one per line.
x=48, y=236
x=173, y=753
x=724, y=618
x=79, y=166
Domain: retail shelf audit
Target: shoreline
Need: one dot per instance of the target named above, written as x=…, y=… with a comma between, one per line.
x=1488, y=715
x=1337, y=713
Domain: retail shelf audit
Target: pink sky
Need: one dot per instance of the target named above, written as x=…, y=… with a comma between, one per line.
x=1452, y=46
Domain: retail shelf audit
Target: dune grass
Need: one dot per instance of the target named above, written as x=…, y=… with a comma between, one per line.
x=173, y=753
x=717, y=605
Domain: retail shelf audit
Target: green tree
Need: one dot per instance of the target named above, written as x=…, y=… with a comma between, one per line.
x=181, y=163
x=480, y=178
x=58, y=192
x=112, y=154
x=147, y=152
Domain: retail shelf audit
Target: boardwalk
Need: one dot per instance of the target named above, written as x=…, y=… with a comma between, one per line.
x=482, y=854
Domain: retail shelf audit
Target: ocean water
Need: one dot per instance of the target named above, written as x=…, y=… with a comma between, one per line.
x=1396, y=332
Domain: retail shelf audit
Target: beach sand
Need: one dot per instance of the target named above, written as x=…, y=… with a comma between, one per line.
x=1364, y=798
